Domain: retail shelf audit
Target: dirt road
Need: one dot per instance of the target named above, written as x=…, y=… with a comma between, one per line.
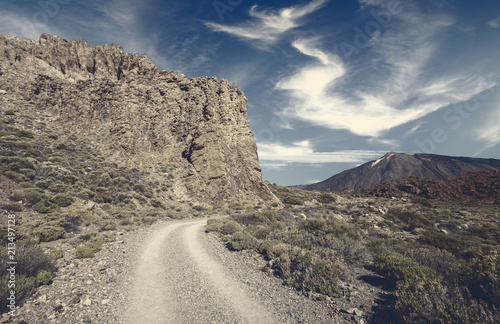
x=179, y=278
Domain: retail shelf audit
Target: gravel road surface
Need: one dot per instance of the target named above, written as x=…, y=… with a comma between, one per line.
x=182, y=275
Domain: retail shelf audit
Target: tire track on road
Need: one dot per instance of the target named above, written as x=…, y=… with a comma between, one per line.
x=177, y=281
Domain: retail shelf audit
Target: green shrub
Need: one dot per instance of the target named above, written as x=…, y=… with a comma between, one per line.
x=47, y=233
x=13, y=175
x=483, y=276
x=85, y=194
x=42, y=207
x=58, y=187
x=443, y=262
x=397, y=267
x=352, y=250
x=126, y=221
x=371, y=202
x=57, y=254
x=199, y=208
x=251, y=218
x=12, y=207
x=24, y=133
x=409, y=219
x=32, y=196
x=17, y=196
x=326, y=198
x=43, y=184
x=419, y=295
x=107, y=226
x=26, y=185
x=15, y=163
x=423, y=298
x=307, y=271
x=243, y=241
x=31, y=262
x=237, y=207
x=88, y=250
x=28, y=173
x=461, y=308
x=59, y=160
x=443, y=241
x=157, y=204
x=60, y=146
x=25, y=287
x=223, y=226
x=62, y=200
x=314, y=224
x=422, y=201
x=148, y=220
x=121, y=213
x=43, y=277
x=70, y=221
x=290, y=200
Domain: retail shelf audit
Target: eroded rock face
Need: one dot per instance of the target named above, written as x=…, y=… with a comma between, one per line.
x=141, y=116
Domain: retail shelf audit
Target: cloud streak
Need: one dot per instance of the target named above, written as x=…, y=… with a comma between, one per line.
x=401, y=91
x=277, y=154
x=495, y=23
x=22, y=25
x=267, y=26
x=490, y=132
x=122, y=22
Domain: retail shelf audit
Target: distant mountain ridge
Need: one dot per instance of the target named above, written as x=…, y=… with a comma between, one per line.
x=400, y=165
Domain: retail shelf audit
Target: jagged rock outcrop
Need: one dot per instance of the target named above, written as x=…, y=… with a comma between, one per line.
x=140, y=115
x=399, y=165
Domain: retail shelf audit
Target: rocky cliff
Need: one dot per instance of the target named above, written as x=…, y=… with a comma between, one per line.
x=397, y=165
x=139, y=115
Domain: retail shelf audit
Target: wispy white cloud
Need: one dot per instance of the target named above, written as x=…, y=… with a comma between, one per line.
x=303, y=152
x=274, y=165
x=22, y=24
x=490, y=132
x=390, y=144
x=403, y=92
x=123, y=22
x=189, y=54
x=495, y=23
x=267, y=26
x=372, y=2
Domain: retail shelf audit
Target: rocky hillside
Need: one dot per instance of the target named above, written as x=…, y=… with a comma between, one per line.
x=138, y=116
x=479, y=186
x=396, y=165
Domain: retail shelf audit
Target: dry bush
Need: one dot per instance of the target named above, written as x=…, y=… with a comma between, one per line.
x=223, y=226
x=33, y=268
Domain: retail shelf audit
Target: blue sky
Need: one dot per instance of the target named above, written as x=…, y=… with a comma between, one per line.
x=330, y=84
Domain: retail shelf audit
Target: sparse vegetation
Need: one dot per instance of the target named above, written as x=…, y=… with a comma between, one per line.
x=59, y=184
x=441, y=260
x=297, y=255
